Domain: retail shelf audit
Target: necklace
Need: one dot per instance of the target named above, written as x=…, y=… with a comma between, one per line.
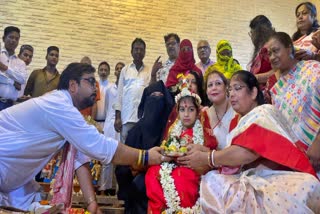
x=219, y=120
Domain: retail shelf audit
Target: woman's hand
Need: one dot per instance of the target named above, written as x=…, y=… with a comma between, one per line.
x=314, y=153
x=316, y=39
x=194, y=159
x=302, y=54
x=197, y=147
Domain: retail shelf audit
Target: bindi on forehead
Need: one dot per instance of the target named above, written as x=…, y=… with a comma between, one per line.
x=184, y=103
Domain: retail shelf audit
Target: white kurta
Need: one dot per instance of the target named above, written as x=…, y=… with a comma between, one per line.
x=130, y=88
x=16, y=72
x=33, y=131
x=105, y=180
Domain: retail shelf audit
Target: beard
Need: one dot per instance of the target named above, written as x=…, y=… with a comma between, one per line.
x=88, y=101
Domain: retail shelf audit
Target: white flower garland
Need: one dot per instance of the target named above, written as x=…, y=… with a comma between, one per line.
x=170, y=193
x=197, y=134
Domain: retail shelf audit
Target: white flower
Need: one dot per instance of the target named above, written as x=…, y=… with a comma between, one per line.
x=170, y=193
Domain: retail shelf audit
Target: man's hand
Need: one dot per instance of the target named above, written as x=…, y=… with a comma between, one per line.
x=155, y=68
x=156, y=158
x=94, y=208
x=118, y=124
x=3, y=67
x=17, y=85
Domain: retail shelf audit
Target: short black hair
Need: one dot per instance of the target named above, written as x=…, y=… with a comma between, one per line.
x=138, y=40
x=169, y=35
x=121, y=63
x=74, y=71
x=104, y=63
x=52, y=48
x=10, y=29
x=25, y=47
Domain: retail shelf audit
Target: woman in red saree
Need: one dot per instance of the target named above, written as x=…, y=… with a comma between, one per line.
x=275, y=173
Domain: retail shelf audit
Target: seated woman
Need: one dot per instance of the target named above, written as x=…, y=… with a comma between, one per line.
x=184, y=63
x=307, y=25
x=171, y=188
x=226, y=64
x=216, y=119
x=275, y=174
x=296, y=94
x=153, y=111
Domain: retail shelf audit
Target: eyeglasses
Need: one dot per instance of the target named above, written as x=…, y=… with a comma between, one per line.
x=236, y=88
x=203, y=47
x=90, y=80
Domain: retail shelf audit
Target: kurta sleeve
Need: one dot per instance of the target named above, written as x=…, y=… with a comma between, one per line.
x=70, y=124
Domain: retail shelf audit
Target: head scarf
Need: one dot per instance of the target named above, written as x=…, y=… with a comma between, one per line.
x=184, y=63
x=153, y=112
x=225, y=64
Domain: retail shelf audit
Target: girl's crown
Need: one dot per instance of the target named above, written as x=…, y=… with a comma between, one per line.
x=186, y=92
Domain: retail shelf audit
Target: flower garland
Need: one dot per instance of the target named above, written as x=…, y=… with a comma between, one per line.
x=170, y=193
x=176, y=132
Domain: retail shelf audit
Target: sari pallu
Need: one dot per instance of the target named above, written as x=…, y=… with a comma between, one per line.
x=297, y=96
x=261, y=189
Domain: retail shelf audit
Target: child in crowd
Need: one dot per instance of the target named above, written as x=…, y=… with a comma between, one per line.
x=173, y=188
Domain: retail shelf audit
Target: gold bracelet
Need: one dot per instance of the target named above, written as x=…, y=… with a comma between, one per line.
x=139, y=158
x=91, y=199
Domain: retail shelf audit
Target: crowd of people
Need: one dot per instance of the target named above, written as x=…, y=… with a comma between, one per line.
x=186, y=137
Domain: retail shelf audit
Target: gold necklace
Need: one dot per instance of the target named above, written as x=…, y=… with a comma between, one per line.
x=219, y=120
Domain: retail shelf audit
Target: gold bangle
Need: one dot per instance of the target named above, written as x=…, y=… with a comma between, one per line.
x=91, y=199
x=139, y=158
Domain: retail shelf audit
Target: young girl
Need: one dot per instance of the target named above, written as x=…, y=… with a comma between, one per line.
x=172, y=188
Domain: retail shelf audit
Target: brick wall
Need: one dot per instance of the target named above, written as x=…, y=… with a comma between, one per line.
x=104, y=30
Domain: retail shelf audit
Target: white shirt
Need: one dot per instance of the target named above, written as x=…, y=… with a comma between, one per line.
x=130, y=89
x=16, y=72
x=163, y=72
x=203, y=67
x=101, y=111
x=23, y=86
x=111, y=99
x=33, y=131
